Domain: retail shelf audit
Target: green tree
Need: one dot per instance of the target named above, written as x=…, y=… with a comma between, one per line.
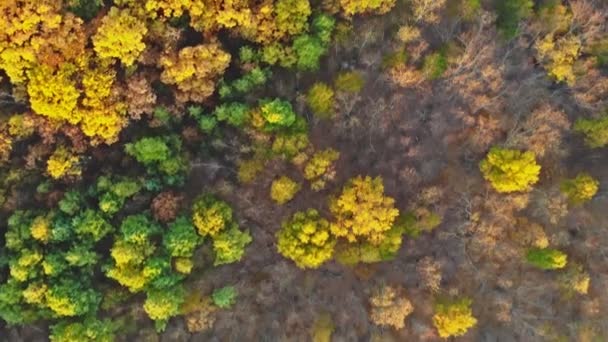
x=224, y=297
x=277, y=113
x=595, y=131
x=229, y=245
x=546, y=258
x=160, y=305
x=181, y=238
x=510, y=13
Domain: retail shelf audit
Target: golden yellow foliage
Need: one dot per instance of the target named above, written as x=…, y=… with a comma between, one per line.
x=510, y=170
x=63, y=163
x=41, y=229
x=33, y=32
x=120, y=36
x=283, y=190
x=454, y=318
x=306, y=239
x=194, y=71
x=53, y=93
x=35, y=293
x=558, y=54
x=353, y=7
x=362, y=212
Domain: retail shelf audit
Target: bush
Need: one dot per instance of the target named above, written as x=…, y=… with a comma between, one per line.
x=362, y=212
x=417, y=222
x=349, y=82
x=63, y=163
x=181, y=238
x=580, y=189
x=236, y=114
x=510, y=170
x=320, y=100
x=283, y=190
x=595, y=131
x=546, y=258
x=453, y=318
x=225, y=297
x=306, y=239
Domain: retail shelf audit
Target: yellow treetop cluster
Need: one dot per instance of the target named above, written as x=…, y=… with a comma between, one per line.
x=558, y=55
x=120, y=36
x=306, y=239
x=33, y=32
x=163, y=9
x=454, y=318
x=283, y=190
x=510, y=170
x=194, y=71
x=63, y=163
x=41, y=229
x=352, y=7
x=362, y=212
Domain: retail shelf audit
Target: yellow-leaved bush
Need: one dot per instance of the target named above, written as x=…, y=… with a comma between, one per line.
x=283, y=190
x=353, y=7
x=306, y=239
x=194, y=70
x=453, y=318
x=558, y=54
x=362, y=213
x=580, y=189
x=62, y=163
x=210, y=216
x=510, y=170
x=318, y=170
x=120, y=36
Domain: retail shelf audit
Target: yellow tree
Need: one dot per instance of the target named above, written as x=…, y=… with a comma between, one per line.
x=120, y=36
x=362, y=212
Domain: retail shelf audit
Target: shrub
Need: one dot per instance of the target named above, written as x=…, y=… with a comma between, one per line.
x=306, y=239
x=389, y=308
x=249, y=169
x=580, y=189
x=320, y=99
x=453, y=318
x=349, y=82
x=283, y=190
x=595, y=131
x=510, y=170
x=149, y=150
x=362, y=212
x=546, y=258
x=210, y=215
x=225, y=297
x=353, y=7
